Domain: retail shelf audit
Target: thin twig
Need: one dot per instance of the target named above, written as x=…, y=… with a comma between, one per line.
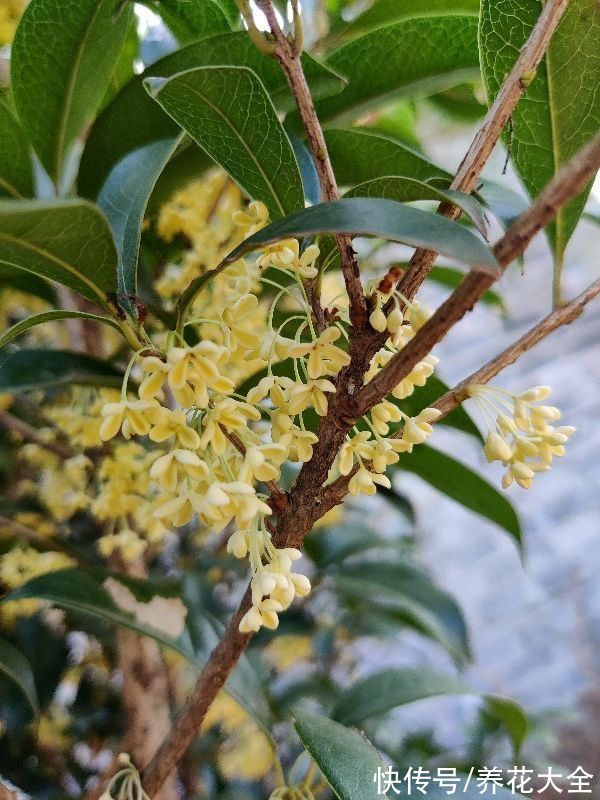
x=489, y=132
x=556, y=319
x=31, y=434
x=568, y=182
x=288, y=55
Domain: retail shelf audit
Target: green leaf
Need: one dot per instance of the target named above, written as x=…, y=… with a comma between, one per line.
x=385, y=11
x=124, y=198
x=384, y=219
x=411, y=58
x=460, y=483
x=191, y=20
x=16, y=166
x=83, y=591
x=67, y=241
x=408, y=190
x=560, y=110
x=408, y=595
x=133, y=119
x=225, y=110
x=399, y=686
x=359, y=155
x=346, y=758
x=27, y=283
x=62, y=60
x=330, y=546
x=28, y=369
x=15, y=666
x=310, y=176
x=50, y=316
x=450, y=278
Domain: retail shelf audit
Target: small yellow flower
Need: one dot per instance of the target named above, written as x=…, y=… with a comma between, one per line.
x=128, y=416
x=167, y=423
x=305, y=395
x=324, y=357
x=169, y=469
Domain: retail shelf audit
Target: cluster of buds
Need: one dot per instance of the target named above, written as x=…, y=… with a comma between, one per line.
x=521, y=433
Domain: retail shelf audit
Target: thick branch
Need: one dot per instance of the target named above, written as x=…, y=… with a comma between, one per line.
x=566, y=184
x=289, y=58
x=489, y=132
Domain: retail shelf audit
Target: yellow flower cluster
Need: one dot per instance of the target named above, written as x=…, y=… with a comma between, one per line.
x=19, y=565
x=520, y=431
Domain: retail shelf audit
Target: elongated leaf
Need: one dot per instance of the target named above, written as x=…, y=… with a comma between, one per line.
x=409, y=596
x=407, y=190
x=399, y=686
x=385, y=219
x=347, y=759
x=450, y=278
x=26, y=324
x=359, y=155
x=191, y=20
x=124, y=198
x=385, y=11
x=67, y=241
x=133, y=119
x=411, y=58
x=463, y=485
x=15, y=666
x=561, y=109
x=84, y=592
x=16, y=167
x=225, y=110
x=58, y=87
x=39, y=368
x=310, y=176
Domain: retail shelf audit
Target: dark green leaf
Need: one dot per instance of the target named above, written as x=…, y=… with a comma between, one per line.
x=16, y=166
x=191, y=20
x=123, y=200
x=408, y=190
x=310, y=176
x=398, y=686
x=561, y=109
x=359, y=155
x=450, y=278
x=28, y=283
x=332, y=545
x=83, y=591
x=463, y=485
x=26, y=324
x=385, y=11
x=411, y=58
x=409, y=595
x=63, y=57
x=67, y=241
x=23, y=370
x=385, y=219
x=225, y=110
x=133, y=119
x=15, y=666
x=347, y=759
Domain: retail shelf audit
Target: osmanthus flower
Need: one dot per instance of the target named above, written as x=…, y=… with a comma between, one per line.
x=156, y=372
x=168, y=470
x=383, y=414
x=273, y=345
x=324, y=357
x=417, y=429
x=253, y=219
x=275, y=386
x=365, y=481
x=228, y=413
x=285, y=254
x=128, y=416
x=168, y=423
x=359, y=447
x=311, y=394
x=298, y=442
x=262, y=462
x=126, y=542
x=236, y=319
x=520, y=432
x=195, y=370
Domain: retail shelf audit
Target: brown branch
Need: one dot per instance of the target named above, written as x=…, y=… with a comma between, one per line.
x=561, y=316
x=31, y=434
x=568, y=182
x=489, y=132
x=288, y=56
